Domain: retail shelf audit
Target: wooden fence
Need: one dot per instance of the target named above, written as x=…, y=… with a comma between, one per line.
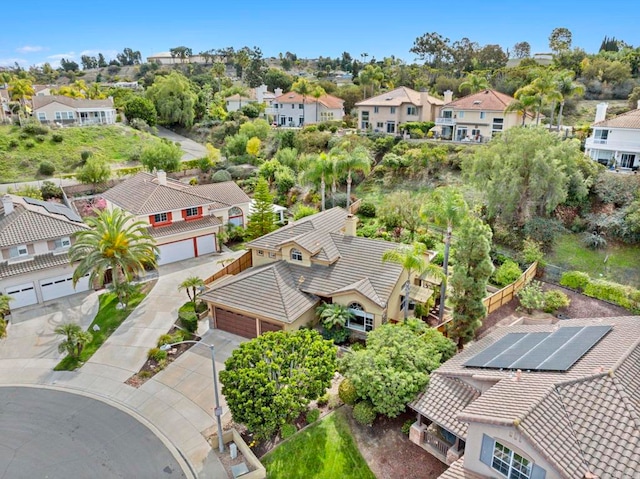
x=240, y=264
x=507, y=293
x=355, y=206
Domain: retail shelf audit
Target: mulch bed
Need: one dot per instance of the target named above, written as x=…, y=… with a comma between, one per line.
x=151, y=367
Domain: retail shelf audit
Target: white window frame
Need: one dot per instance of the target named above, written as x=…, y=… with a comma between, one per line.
x=509, y=463
x=358, y=311
x=392, y=109
x=62, y=243
x=272, y=255
x=380, y=124
x=158, y=217
x=296, y=255
x=412, y=111
x=42, y=116
x=19, y=251
x=498, y=124
x=376, y=109
x=483, y=115
x=189, y=212
x=461, y=114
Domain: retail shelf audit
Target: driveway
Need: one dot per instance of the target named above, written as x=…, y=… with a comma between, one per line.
x=192, y=149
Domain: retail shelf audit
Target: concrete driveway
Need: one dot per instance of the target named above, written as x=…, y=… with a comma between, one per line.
x=192, y=149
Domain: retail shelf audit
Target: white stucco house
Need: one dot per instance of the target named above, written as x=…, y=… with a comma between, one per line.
x=62, y=110
x=292, y=109
x=615, y=142
x=259, y=95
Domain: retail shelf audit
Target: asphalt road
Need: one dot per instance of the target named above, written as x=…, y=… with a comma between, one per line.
x=52, y=434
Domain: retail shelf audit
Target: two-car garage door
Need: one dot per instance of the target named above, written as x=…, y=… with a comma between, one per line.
x=189, y=248
x=240, y=324
x=51, y=288
x=22, y=294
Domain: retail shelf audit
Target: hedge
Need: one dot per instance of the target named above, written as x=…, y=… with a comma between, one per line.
x=575, y=280
x=622, y=295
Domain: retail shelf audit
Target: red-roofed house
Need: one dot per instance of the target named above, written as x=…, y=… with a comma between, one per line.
x=478, y=117
x=291, y=111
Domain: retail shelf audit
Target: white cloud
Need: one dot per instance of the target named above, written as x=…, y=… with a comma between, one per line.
x=94, y=53
x=30, y=49
x=60, y=56
x=9, y=62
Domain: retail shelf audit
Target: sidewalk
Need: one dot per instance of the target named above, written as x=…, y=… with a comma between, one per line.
x=177, y=401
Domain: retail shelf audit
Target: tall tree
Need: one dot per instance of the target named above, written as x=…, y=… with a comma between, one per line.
x=192, y=285
x=433, y=48
x=262, y=219
x=473, y=83
x=116, y=241
x=358, y=160
x=175, y=99
x=469, y=281
x=304, y=88
x=21, y=89
x=413, y=259
x=163, y=155
x=524, y=105
x=544, y=88
x=317, y=93
x=446, y=208
x=567, y=89
x=560, y=40
x=401, y=210
x=102, y=63
x=522, y=50
x=320, y=170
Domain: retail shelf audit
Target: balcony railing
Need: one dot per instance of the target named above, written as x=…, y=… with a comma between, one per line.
x=438, y=444
x=445, y=121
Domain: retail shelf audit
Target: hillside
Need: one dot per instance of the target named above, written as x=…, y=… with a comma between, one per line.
x=22, y=153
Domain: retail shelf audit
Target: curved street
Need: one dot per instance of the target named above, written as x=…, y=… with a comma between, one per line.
x=56, y=434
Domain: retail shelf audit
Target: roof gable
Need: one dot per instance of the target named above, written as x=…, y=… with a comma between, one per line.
x=41, y=101
x=630, y=119
x=329, y=101
x=486, y=100
x=398, y=97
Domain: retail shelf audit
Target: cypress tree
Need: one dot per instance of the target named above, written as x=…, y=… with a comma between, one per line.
x=262, y=219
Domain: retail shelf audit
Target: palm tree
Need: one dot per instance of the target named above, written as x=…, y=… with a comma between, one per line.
x=474, y=83
x=413, y=260
x=116, y=241
x=370, y=75
x=21, y=89
x=75, y=339
x=544, y=88
x=349, y=162
x=333, y=315
x=567, y=88
x=192, y=285
x=317, y=93
x=523, y=105
x=446, y=209
x=304, y=88
x=321, y=169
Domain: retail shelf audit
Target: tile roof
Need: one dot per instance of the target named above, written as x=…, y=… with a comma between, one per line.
x=329, y=101
x=397, y=97
x=38, y=262
x=30, y=223
x=630, y=119
x=444, y=398
x=143, y=195
x=584, y=419
x=486, y=100
x=457, y=471
x=40, y=101
x=184, y=227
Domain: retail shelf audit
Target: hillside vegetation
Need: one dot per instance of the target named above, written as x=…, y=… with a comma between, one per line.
x=25, y=150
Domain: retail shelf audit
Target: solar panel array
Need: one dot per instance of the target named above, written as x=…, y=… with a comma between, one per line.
x=54, y=208
x=547, y=351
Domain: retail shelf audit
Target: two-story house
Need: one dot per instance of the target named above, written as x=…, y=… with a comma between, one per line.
x=478, y=117
x=292, y=109
x=615, y=142
x=384, y=112
x=63, y=110
x=183, y=219
x=313, y=260
x=260, y=95
x=35, y=237
x=538, y=402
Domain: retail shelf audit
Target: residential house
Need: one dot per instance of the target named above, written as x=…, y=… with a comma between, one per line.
x=43, y=90
x=384, y=112
x=279, y=212
x=259, y=95
x=291, y=110
x=184, y=220
x=615, y=142
x=313, y=260
x=166, y=58
x=477, y=117
x=538, y=402
x=63, y=110
x=35, y=237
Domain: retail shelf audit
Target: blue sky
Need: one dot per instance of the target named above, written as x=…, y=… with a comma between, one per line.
x=40, y=31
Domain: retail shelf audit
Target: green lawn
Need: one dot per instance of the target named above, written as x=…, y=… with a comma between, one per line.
x=115, y=143
x=108, y=319
x=617, y=262
x=325, y=450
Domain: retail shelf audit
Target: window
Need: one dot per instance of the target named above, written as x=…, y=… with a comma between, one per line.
x=391, y=127
x=411, y=111
x=376, y=109
x=392, y=110
x=498, y=123
x=191, y=212
x=365, y=116
x=160, y=218
x=236, y=216
x=601, y=136
x=296, y=255
x=64, y=115
x=379, y=124
x=326, y=115
x=460, y=114
x=509, y=463
x=62, y=243
x=272, y=255
x=301, y=106
x=627, y=160
x=292, y=106
x=18, y=251
x=447, y=114
x=42, y=116
x=260, y=252
x=361, y=320
x=483, y=114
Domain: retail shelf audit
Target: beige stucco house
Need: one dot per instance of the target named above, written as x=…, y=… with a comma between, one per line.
x=557, y=401
x=184, y=220
x=315, y=259
x=62, y=110
x=383, y=113
x=477, y=117
x=292, y=109
x=35, y=237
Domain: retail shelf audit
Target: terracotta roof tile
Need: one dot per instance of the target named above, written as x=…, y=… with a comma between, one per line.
x=329, y=101
x=631, y=119
x=486, y=100
x=398, y=97
x=184, y=227
x=38, y=262
x=457, y=471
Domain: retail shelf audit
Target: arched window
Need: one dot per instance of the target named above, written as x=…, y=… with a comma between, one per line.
x=236, y=217
x=296, y=255
x=360, y=320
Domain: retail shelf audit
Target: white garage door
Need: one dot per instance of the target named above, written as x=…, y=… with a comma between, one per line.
x=206, y=244
x=23, y=295
x=53, y=288
x=177, y=251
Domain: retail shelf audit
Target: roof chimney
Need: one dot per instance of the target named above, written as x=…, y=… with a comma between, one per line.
x=162, y=177
x=601, y=112
x=518, y=375
x=350, y=225
x=7, y=205
x=448, y=96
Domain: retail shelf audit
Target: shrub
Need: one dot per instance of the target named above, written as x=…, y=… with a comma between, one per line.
x=594, y=241
x=323, y=400
x=300, y=211
x=13, y=143
x=507, y=273
x=543, y=230
x=531, y=297
x=340, y=199
x=188, y=320
x=50, y=190
x=220, y=176
x=575, y=280
x=313, y=416
x=157, y=354
x=609, y=291
x=57, y=138
x=554, y=300
x=46, y=168
x=35, y=129
x=334, y=401
x=367, y=209
x=347, y=392
x=287, y=431
x=40, y=138
x=406, y=427
x=532, y=252
x=29, y=144
x=364, y=413
x=337, y=335
x=165, y=339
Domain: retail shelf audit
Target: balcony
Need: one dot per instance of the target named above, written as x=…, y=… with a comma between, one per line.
x=426, y=437
x=614, y=145
x=442, y=121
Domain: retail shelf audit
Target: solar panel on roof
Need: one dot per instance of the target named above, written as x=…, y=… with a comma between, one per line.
x=550, y=351
x=54, y=208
